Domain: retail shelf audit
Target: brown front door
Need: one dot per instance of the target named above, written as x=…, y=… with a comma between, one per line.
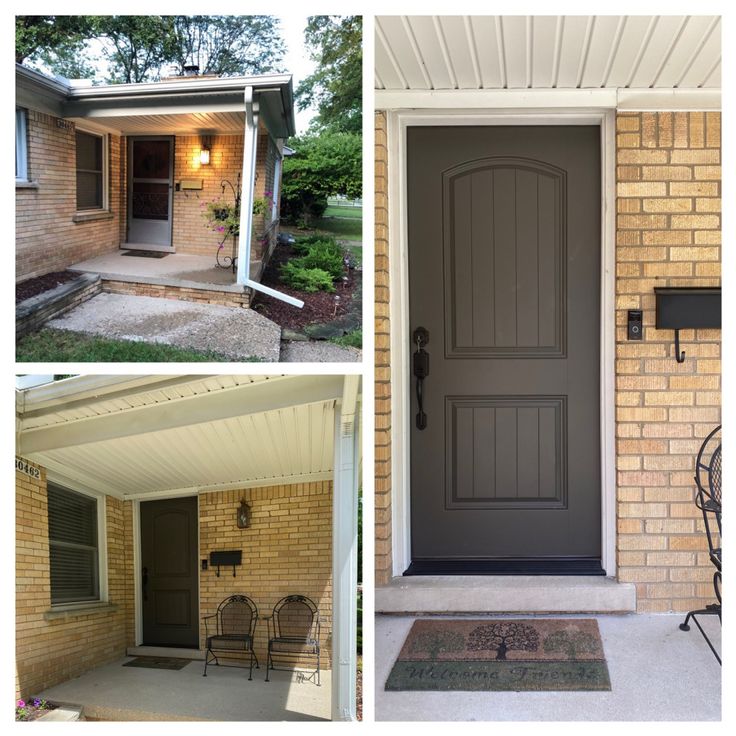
x=504, y=275
x=169, y=584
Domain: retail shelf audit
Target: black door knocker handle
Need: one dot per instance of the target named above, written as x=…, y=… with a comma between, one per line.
x=421, y=371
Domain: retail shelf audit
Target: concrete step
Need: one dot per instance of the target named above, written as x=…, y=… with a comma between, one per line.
x=505, y=594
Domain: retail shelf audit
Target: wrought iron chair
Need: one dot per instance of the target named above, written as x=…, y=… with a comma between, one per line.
x=708, y=500
x=234, y=629
x=293, y=634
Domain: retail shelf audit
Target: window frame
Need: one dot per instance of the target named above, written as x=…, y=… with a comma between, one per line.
x=21, y=145
x=104, y=138
x=102, y=583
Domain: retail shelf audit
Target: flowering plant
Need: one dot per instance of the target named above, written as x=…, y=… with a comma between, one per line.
x=224, y=217
x=27, y=711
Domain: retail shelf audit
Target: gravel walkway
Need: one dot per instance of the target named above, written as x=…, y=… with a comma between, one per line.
x=312, y=351
x=234, y=333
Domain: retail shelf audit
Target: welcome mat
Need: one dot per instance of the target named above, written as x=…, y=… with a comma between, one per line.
x=158, y=663
x=146, y=253
x=502, y=654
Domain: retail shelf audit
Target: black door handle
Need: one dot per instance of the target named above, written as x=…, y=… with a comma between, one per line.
x=145, y=583
x=421, y=371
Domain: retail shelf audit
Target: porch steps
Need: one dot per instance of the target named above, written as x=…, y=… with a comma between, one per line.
x=505, y=594
x=175, y=652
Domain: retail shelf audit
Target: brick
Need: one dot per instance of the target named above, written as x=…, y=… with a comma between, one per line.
x=697, y=130
x=668, y=173
x=696, y=253
x=708, y=204
x=695, y=222
x=707, y=172
x=642, y=189
x=669, y=204
x=704, y=156
x=694, y=189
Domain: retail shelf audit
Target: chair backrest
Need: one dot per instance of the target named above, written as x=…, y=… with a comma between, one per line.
x=708, y=481
x=236, y=615
x=296, y=617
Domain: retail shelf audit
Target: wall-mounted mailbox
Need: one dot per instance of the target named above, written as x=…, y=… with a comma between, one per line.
x=226, y=558
x=687, y=308
x=188, y=184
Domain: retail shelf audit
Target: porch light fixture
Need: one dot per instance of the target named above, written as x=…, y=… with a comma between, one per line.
x=204, y=154
x=243, y=515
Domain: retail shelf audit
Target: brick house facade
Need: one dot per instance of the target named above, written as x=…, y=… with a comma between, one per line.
x=667, y=234
x=51, y=234
x=288, y=548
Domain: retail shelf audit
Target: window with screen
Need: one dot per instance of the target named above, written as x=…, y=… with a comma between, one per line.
x=90, y=171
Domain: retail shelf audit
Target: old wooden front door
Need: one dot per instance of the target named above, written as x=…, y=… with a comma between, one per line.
x=169, y=584
x=150, y=192
x=504, y=275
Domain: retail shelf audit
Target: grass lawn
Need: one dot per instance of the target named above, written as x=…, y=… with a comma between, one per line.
x=354, y=213
x=59, y=346
x=345, y=228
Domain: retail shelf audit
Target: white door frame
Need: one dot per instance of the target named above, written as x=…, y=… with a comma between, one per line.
x=397, y=124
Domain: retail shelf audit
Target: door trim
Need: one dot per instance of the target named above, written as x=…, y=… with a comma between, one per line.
x=138, y=575
x=397, y=124
x=129, y=184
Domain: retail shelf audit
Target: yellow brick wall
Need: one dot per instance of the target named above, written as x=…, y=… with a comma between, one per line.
x=383, y=361
x=286, y=550
x=190, y=231
x=52, y=651
x=47, y=239
x=668, y=234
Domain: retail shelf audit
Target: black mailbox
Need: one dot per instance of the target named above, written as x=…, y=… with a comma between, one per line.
x=231, y=557
x=687, y=307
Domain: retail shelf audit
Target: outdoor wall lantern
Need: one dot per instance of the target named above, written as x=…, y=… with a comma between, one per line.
x=687, y=308
x=243, y=515
x=204, y=154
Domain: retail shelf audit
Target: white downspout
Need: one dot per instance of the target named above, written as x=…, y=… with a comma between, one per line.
x=345, y=554
x=250, y=144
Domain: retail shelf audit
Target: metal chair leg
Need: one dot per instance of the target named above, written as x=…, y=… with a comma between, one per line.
x=268, y=662
x=714, y=609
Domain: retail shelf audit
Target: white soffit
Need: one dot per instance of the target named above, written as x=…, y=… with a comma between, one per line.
x=415, y=54
x=188, y=434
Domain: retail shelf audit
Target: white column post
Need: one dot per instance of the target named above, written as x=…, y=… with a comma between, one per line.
x=345, y=554
x=250, y=143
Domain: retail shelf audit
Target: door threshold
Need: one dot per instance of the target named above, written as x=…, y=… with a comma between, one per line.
x=176, y=652
x=509, y=566
x=505, y=594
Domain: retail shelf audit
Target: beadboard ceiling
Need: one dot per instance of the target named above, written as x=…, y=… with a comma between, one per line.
x=547, y=52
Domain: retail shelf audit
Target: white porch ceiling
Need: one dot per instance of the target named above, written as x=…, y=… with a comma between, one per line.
x=547, y=52
x=174, y=124
x=184, y=433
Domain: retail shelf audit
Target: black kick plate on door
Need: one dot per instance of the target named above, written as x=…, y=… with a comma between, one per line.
x=510, y=566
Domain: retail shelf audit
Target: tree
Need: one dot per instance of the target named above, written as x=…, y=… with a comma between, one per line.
x=438, y=642
x=47, y=34
x=321, y=166
x=228, y=44
x=138, y=45
x=503, y=636
x=336, y=87
x=571, y=642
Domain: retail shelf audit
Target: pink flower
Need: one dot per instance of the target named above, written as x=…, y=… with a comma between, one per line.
x=21, y=704
x=220, y=229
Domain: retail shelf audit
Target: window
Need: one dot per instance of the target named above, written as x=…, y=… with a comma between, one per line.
x=90, y=171
x=21, y=144
x=74, y=548
x=276, y=187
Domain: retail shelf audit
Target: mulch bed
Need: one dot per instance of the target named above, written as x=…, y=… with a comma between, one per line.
x=32, y=287
x=318, y=307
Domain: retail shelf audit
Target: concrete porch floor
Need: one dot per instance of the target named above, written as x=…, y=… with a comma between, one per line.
x=117, y=693
x=174, y=269
x=658, y=673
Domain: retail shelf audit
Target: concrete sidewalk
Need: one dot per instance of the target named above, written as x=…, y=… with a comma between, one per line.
x=658, y=673
x=234, y=333
x=117, y=693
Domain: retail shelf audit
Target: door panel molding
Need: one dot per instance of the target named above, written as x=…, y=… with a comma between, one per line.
x=401, y=416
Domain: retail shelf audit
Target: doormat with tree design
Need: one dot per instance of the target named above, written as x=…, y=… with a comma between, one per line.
x=501, y=654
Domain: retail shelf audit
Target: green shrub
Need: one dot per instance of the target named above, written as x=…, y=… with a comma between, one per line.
x=305, y=244
x=327, y=256
x=306, y=279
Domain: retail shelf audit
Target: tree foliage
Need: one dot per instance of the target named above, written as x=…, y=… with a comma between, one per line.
x=228, y=44
x=336, y=86
x=142, y=48
x=572, y=643
x=322, y=165
x=439, y=642
x=37, y=34
x=502, y=637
